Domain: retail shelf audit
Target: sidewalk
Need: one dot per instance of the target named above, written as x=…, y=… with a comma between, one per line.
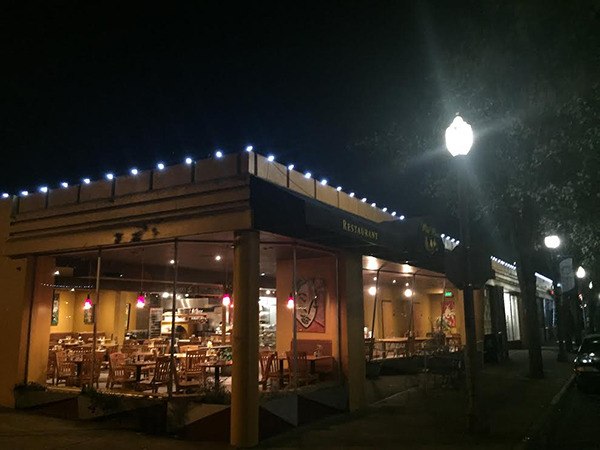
x=436, y=418
x=412, y=419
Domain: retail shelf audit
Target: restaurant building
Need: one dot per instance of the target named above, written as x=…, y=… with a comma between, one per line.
x=235, y=274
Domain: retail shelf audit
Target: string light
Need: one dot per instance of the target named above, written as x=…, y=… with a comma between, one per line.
x=249, y=148
x=307, y=175
x=5, y=195
x=188, y=160
x=134, y=171
x=86, y=181
x=43, y=189
x=323, y=182
x=160, y=166
x=64, y=184
x=339, y=188
x=364, y=200
x=270, y=158
x=351, y=194
x=24, y=193
x=109, y=176
x=219, y=154
x=291, y=167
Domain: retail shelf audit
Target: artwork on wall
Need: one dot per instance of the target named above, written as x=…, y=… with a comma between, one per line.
x=88, y=316
x=55, y=305
x=310, y=305
x=448, y=318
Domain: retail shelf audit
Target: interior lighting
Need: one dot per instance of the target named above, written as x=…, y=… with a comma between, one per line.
x=408, y=292
x=290, y=302
x=218, y=258
x=141, y=301
x=323, y=181
x=109, y=176
x=270, y=158
x=374, y=278
x=249, y=148
x=134, y=171
x=226, y=300
x=160, y=166
x=172, y=261
x=262, y=274
x=219, y=154
x=188, y=160
x=268, y=292
x=56, y=272
x=165, y=295
x=86, y=181
x=87, y=304
x=372, y=290
x=307, y=175
x=393, y=281
x=291, y=167
x=64, y=184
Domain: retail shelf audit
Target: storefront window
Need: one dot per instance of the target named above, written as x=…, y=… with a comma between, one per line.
x=511, y=310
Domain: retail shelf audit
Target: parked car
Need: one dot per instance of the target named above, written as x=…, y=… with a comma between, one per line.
x=587, y=363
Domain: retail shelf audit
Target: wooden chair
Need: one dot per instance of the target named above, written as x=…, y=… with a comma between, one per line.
x=193, y=365
x=269, y=369
x=301, y=362
x=118, y=373
x=64, y=370
x=51, y=366
x=87, y=377
x=159, y=378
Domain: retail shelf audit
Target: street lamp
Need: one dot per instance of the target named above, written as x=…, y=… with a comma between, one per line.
x=459, y=140
x=580, y=273
x=552, y=242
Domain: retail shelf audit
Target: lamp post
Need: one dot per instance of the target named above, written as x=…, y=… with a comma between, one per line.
x=552, y=242
x=459, y=139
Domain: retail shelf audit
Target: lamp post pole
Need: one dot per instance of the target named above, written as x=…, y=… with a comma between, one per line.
x=459, y=139
x=552, y=243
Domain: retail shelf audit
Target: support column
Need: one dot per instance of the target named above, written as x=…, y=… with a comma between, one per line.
x=351, y=328
x=244, y=379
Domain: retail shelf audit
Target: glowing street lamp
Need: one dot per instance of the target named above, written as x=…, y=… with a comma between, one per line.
x=459, y=137
x=580, y=272
x=552, y=242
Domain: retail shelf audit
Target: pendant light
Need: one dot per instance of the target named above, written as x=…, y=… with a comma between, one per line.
x=141, y=300
x=87, y=304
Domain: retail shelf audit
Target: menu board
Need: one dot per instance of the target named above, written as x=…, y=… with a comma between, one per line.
x=154, y=322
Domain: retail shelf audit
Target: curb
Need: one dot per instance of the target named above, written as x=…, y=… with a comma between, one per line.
x=532, y=438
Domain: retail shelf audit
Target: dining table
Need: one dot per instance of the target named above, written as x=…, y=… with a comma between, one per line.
x=138, y=366
x=312, y=361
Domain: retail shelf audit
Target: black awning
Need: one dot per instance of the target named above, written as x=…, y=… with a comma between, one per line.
x=279, y=210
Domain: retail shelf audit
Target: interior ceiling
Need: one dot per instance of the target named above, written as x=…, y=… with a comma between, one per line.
x=194, y=253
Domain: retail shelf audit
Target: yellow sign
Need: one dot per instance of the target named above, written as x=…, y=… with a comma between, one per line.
x=359, y=230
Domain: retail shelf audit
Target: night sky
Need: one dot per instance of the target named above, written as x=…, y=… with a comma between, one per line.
x=92, y=88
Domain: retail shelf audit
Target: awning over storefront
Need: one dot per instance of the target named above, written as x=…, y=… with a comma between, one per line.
x=278, y=210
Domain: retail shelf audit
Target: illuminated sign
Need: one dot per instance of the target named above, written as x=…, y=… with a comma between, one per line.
x=359, y=230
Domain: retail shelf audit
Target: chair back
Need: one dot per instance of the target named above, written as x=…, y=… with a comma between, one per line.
x=162, y=369
x=268, y=363
x=194, y=359
x=117, y=359
x=301, y=362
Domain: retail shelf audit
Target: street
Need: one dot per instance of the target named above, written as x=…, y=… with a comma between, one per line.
x=576, y=424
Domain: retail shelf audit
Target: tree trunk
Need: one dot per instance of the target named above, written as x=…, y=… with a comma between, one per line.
x=525, y=234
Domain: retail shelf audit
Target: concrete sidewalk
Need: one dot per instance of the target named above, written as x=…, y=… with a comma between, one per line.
x=436, y=418
x=413, y=419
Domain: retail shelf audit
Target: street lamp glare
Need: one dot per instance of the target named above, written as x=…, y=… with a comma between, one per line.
x=459, y=137
x=552, y=241
x=580, y=272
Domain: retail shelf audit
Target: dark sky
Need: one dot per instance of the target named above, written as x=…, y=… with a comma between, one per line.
x=87, y=88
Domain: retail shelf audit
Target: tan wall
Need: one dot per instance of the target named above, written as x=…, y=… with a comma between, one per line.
x=306, y=268
x=16, y=282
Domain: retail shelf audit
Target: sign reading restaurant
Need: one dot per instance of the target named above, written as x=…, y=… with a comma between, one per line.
x=359, y=230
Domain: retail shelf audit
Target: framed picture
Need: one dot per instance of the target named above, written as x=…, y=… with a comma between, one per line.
x=55, y=305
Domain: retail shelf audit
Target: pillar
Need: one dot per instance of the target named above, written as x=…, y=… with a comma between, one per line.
x=351, y=328
x=244, y=379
